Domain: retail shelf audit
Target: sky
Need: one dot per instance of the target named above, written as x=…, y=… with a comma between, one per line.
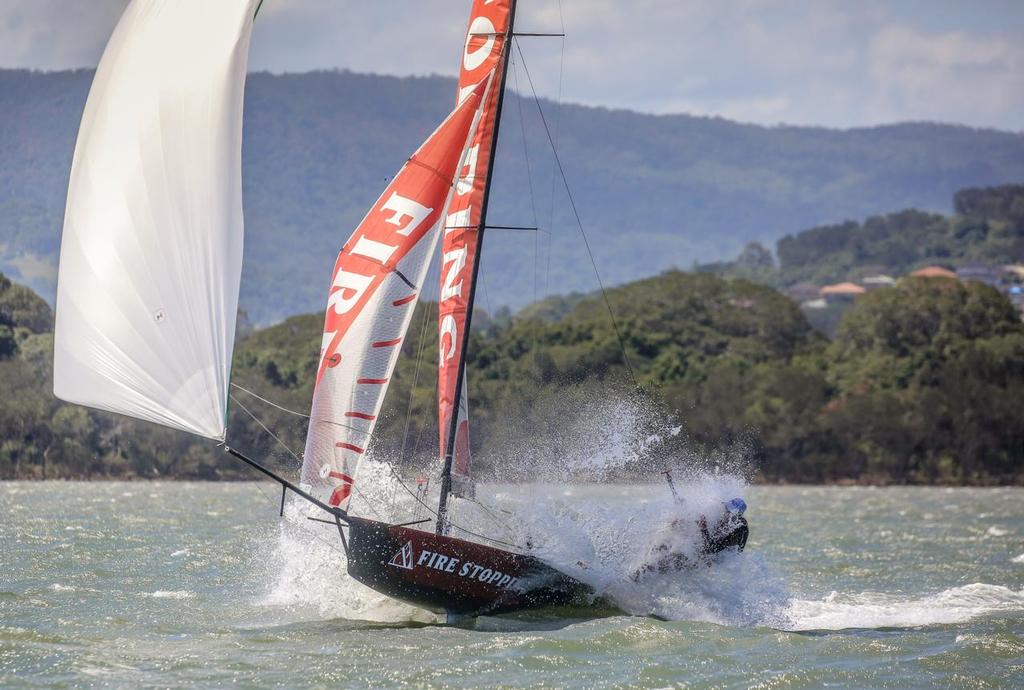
x=832, y=63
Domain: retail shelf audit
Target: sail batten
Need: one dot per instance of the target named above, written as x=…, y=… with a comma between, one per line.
x=151, y=252
x=373, y=293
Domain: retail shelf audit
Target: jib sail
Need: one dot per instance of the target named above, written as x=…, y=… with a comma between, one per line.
x=151, y=253
x=376, y=283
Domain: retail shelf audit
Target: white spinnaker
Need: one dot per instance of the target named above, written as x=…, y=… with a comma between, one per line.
x=151, y=253
x=376, y=284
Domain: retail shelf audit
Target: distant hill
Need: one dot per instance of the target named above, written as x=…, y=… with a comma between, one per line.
x=653, y=191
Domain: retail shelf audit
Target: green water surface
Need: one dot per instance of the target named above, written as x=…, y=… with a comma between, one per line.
x=173, y=585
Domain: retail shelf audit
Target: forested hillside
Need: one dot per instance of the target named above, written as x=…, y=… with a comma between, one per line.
x=923, y=383
x=987, y=227
x=984, y=237
x=653, y=191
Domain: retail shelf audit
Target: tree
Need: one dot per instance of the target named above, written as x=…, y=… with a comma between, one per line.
x=930, y=383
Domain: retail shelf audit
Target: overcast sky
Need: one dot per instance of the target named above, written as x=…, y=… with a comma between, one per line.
x=826, y=62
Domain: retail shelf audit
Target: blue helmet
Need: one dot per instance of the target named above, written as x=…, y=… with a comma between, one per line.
x=736, y=505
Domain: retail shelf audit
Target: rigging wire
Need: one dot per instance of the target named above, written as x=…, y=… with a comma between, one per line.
x=298, y=414
x=431, y=279
x=579, y=222
x=259, y=486
x=269, y=402
x=356, y=493
x=558, y=129
x=451, y=524
x=415, y=380
x=298, y=458
x=533, y=206
x=266, y=429
x=495, y=519
x=483, y=282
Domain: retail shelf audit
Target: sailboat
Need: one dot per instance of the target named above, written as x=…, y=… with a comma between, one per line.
x=150, y=268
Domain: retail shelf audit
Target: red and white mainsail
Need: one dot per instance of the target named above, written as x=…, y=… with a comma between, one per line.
x=486, y=53
x=377, y=281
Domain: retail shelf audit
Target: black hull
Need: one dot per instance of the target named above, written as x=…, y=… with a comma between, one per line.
x=454, y=576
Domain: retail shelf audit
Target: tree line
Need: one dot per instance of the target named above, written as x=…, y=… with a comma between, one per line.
x=987, y=227
x=923, y=383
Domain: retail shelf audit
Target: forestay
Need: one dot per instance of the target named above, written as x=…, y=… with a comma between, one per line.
x=376, y=283
x=485, y=53
x=152, y=247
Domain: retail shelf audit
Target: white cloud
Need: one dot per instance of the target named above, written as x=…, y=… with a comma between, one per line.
x=55, y=34
x=969, y=77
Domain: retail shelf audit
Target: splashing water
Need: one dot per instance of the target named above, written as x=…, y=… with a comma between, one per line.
x=584, y=529
x=590, y=533
x=310, y=570
x=879, y=610
x=577, y=517
x=312, y=578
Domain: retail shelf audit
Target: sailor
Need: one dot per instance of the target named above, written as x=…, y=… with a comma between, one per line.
x=730, y=530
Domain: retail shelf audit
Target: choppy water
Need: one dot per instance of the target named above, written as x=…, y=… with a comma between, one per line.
x=190, y=585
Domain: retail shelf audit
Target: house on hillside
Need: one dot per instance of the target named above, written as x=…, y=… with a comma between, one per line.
x=981, y=273
x=877, y=281
x=933, y=272
x=802, y=292
x=1015, y=273
x=841, y=292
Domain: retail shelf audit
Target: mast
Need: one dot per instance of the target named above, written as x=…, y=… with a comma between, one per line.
x=446, y=472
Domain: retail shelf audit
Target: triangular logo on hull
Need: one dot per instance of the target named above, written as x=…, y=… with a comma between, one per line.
x=403, y=559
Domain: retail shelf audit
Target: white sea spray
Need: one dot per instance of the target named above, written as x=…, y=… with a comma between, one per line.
x=839, y=611
x=570, y=515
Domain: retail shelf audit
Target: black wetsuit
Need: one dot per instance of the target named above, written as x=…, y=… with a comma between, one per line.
x=725, y=536
x=722, y=539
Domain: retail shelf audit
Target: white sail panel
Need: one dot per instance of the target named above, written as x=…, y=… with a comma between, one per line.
x=151, y=253
x=376, y=283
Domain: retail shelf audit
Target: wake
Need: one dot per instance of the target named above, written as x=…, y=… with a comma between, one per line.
x=874, y=610
x=581, y=530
